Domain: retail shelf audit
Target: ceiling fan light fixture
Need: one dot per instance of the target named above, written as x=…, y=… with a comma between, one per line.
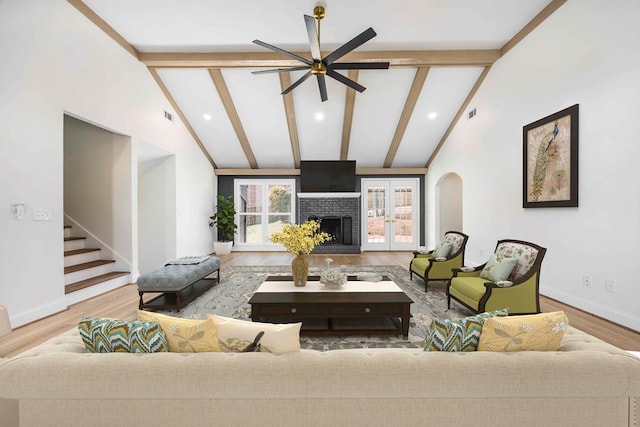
x=319, y=66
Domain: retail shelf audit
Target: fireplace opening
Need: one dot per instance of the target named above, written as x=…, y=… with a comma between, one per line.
x=336, y=226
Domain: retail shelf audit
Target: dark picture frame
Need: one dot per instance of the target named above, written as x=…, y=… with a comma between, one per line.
x=550, y=161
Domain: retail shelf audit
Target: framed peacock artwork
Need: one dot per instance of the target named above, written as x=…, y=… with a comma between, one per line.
x=550, y=167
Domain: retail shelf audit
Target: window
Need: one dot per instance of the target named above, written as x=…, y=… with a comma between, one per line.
x=263, y=205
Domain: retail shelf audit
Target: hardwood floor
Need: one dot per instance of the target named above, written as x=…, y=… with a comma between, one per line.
x=122, y=303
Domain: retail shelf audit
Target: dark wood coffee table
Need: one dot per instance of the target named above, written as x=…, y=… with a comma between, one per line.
x=355, y=310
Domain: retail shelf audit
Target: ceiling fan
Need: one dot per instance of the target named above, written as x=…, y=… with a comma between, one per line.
x=320, y=67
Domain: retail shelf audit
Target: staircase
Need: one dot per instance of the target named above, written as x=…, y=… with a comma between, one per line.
x=85, y=274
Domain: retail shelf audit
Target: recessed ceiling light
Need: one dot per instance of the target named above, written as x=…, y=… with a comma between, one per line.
x=319, y=116
x=207, y=116
x=432, y=116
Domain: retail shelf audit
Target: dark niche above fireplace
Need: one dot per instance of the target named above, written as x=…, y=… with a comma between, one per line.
x=322, y=176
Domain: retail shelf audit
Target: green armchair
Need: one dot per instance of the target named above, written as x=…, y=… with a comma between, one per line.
x=426, y=266
x=519, y=293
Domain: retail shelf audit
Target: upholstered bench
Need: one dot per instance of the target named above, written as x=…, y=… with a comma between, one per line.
x=178, y=282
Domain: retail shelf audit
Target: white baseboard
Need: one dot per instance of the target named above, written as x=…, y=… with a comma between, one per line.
x=38, y=313
x=624, y=319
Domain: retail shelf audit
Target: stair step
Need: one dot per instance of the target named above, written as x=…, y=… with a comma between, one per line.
x=72, y=243
x=87, y=265
x=80, y=251
x=80, y=256
x=72, y=287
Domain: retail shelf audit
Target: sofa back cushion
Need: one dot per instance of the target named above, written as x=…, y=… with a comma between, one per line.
x=525, y=254
x=108, y=335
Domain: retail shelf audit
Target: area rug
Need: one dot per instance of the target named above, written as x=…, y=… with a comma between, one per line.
x=230, y=298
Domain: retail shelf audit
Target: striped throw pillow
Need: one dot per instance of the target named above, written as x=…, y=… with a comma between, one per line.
x=108, y=335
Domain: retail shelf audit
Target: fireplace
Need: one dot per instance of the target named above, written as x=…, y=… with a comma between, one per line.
x=340, y=215
x=336, y=226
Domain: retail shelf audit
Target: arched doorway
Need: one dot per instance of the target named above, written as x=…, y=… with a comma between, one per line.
x=448, y=204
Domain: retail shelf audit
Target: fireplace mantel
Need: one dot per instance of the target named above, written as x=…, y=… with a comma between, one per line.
x=342, y=195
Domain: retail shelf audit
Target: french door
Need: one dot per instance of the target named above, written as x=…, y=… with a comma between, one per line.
x=390, y=212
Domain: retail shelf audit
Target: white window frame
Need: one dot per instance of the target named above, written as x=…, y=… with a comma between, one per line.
x=265, y=183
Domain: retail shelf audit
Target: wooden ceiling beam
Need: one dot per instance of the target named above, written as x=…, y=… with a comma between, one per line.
x=463, y=107
x=295, y=172
x=407, y=58
x=227, y=101
x=532, y=25
x=407, y=111
x=108, y=29
x=347, y=121
x=178, y=111
x=290, y=113
x=517, y=38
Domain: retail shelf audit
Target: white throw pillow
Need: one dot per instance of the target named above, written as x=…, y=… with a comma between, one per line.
x=236, y=335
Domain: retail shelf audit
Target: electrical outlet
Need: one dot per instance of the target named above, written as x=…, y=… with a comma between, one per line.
x=586, y=280
x=609, y=285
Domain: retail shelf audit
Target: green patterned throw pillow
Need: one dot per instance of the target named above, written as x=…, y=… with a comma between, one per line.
x=108, y=336
x=498, y=268
x=461, y=334
x=442, y=250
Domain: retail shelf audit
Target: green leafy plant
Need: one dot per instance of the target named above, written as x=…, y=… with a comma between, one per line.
x=224, y=218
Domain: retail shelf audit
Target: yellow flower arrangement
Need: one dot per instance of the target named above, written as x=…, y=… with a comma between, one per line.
x=300, y=239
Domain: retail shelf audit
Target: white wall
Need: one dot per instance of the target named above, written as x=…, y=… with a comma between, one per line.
x=54, y=61
x=449, y=204
x=156, y=213
x=586, y=54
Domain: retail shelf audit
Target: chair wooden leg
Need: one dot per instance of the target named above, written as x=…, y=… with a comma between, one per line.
x=448, y=301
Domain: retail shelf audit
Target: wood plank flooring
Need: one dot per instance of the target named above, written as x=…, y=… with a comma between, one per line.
x=122, y=303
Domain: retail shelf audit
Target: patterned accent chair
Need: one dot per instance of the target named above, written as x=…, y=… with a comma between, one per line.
x=426, y=266
x=520, y=297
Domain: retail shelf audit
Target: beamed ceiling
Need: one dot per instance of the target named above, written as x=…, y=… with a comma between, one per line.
x=200, y=52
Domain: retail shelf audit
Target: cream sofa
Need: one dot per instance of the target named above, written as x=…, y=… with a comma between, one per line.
x=586, y=383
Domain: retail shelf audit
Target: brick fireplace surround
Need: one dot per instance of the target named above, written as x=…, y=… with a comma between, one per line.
x=343, y=206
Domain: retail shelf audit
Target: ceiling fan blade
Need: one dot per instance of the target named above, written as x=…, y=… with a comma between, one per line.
x=282, y=51
x=322, y=84
x=358, y=40
x=280, y=70
x=360, y=66
x=297, y=83
x=346, y=80
x=314, y=43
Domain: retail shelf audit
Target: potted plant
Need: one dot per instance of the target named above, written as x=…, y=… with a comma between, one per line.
x=224, y=221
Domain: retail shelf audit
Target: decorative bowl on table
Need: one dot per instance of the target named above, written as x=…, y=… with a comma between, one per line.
x=331, y=277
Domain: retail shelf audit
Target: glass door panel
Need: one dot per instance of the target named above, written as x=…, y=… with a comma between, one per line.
x=376, y=210
x=403, y=214
x=390, y=210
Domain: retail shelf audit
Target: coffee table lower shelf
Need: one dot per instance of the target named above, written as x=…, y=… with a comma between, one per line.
x=343, y=326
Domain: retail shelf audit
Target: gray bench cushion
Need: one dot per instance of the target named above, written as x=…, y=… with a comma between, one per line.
x=176, y=277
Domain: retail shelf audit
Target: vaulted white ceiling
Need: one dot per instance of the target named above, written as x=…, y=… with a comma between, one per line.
x=202, y=55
